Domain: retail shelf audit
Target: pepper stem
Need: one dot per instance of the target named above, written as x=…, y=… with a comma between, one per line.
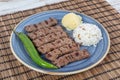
x=16, y=32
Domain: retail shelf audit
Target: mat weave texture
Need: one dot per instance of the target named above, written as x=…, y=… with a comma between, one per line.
x=109, y=68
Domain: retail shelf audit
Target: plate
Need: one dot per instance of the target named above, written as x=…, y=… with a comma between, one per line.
x=97, y=53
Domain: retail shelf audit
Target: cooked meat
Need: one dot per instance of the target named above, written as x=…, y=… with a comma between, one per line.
x=56, y=28
x=47, y=23
x=61, y=51
x=34, y=35
x=57, y=43
x=63, y=41
x=67, y=40
x=30, y=28
x=52, y=55
x=51, y=40
x=40, y=32
x=47, y=32
x=50, y=37
x=44, y=23
x=69, y=48
x=73, y=56
x=46, y=48
x=31, y=35
x=38, y=42
x=61, y=34
x=38, y=26
x=54, y=36
x=52, y=21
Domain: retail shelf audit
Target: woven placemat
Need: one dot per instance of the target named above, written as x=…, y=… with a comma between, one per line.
x=109, y=68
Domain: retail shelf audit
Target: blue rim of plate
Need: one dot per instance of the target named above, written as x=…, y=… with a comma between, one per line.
x=57, y=72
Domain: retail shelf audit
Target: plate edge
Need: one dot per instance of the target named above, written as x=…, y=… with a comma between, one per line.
x=60, y=73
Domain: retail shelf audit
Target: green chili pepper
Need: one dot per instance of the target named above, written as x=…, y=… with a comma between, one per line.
x=33, y=52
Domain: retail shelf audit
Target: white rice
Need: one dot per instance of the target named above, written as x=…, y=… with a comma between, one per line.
x=87, y=34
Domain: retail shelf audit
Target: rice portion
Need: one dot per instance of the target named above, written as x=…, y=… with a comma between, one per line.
x=87, y=34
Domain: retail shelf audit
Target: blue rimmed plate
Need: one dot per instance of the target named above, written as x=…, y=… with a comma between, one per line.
x=97, y=53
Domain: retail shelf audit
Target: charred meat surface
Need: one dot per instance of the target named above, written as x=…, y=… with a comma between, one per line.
x=53, y=55
x=45, y=31
x=47, y=23
x=71, y=57
x=52, y=41
x=57, y=44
